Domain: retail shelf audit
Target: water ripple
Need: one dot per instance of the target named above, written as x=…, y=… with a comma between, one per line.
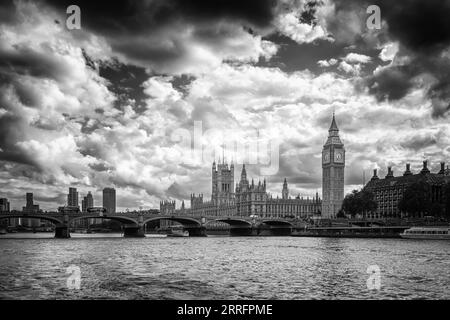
x=224, y=268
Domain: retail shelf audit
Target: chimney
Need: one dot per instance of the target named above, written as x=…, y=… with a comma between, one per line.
x=442, y=171
x=375, y=177
x=425, y=168
x=390, y=173
x=408, y=170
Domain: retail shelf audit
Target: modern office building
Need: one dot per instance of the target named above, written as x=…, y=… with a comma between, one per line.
x=32, y=208
x=87, y=202
x=72, y=198
x=109, y=200
x=4, y=205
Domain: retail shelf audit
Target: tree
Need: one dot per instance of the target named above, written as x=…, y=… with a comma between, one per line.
x=368, y=203
x=447, y=200
x=359, y=202
x=340, y=214
x=416, y=199
x=351, y=205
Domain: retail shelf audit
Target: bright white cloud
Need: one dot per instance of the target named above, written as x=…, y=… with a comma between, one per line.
x=290, y=25
x=353, y=69
x=389, y=51
x=327, y=63
x=357, y=58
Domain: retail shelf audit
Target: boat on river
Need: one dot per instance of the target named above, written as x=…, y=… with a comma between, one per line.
x=427, y=233
x=178, y=233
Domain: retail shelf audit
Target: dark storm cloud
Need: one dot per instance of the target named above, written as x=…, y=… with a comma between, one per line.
x=10, y=133
x=24, y=60
x=129, y=16
x=392, y=83
x=158, y=34
x=423, y=30
x=417, y=143
x=422, y=26
x=6, y=7
x=100, y=167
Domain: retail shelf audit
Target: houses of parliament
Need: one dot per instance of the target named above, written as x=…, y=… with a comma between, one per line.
x=249, y=198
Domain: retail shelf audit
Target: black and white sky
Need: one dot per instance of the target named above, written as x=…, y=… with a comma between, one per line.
x=106, y=105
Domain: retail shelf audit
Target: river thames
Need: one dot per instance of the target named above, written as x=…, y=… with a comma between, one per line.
x=222, y=268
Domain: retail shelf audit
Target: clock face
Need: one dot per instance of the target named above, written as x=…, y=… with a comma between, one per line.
x=338, y=156
x=326, y=157
x=335, y=140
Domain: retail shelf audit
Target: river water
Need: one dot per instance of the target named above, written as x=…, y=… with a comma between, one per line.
x=222, y=268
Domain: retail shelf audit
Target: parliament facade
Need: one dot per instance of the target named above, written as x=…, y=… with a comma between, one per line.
x=245, y=199
x=249, y=198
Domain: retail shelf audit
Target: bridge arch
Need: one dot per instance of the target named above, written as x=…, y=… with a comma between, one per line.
x=185, y=221
x=233, y=222
x=44, y=217
x=121, y=219
x=278, y=223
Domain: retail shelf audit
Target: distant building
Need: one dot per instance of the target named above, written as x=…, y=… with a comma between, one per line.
x=222, y=201
x=87, y=202
x=4, y=205
x=109, y=200
x=72, y=198
x=252, y=199
x=30, y=208
x=167, y=207
x=388, y=192
x=5, y=208
x=222, y=184
x=245, y=200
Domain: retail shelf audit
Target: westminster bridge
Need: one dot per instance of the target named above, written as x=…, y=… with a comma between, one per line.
x=134, y=223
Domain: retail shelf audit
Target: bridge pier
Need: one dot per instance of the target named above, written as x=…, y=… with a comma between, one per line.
x=274, y=231
x=259, y=230
x=62, y=232
x=243, y=231
x=133, y=232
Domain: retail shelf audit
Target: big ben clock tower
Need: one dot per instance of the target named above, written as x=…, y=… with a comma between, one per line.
x=333, y=163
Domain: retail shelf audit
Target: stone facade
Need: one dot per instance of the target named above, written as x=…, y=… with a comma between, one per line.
x=389, y=191
x=246, y=199
x=333, y=164
x=167, y=207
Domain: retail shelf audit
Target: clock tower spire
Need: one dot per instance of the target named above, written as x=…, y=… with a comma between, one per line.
x=333, y=164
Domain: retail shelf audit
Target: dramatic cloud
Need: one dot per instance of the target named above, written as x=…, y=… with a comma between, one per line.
x=148, y=93
x=179, y=37
x=422, y=29
x=356, y=58
x=327, y=63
